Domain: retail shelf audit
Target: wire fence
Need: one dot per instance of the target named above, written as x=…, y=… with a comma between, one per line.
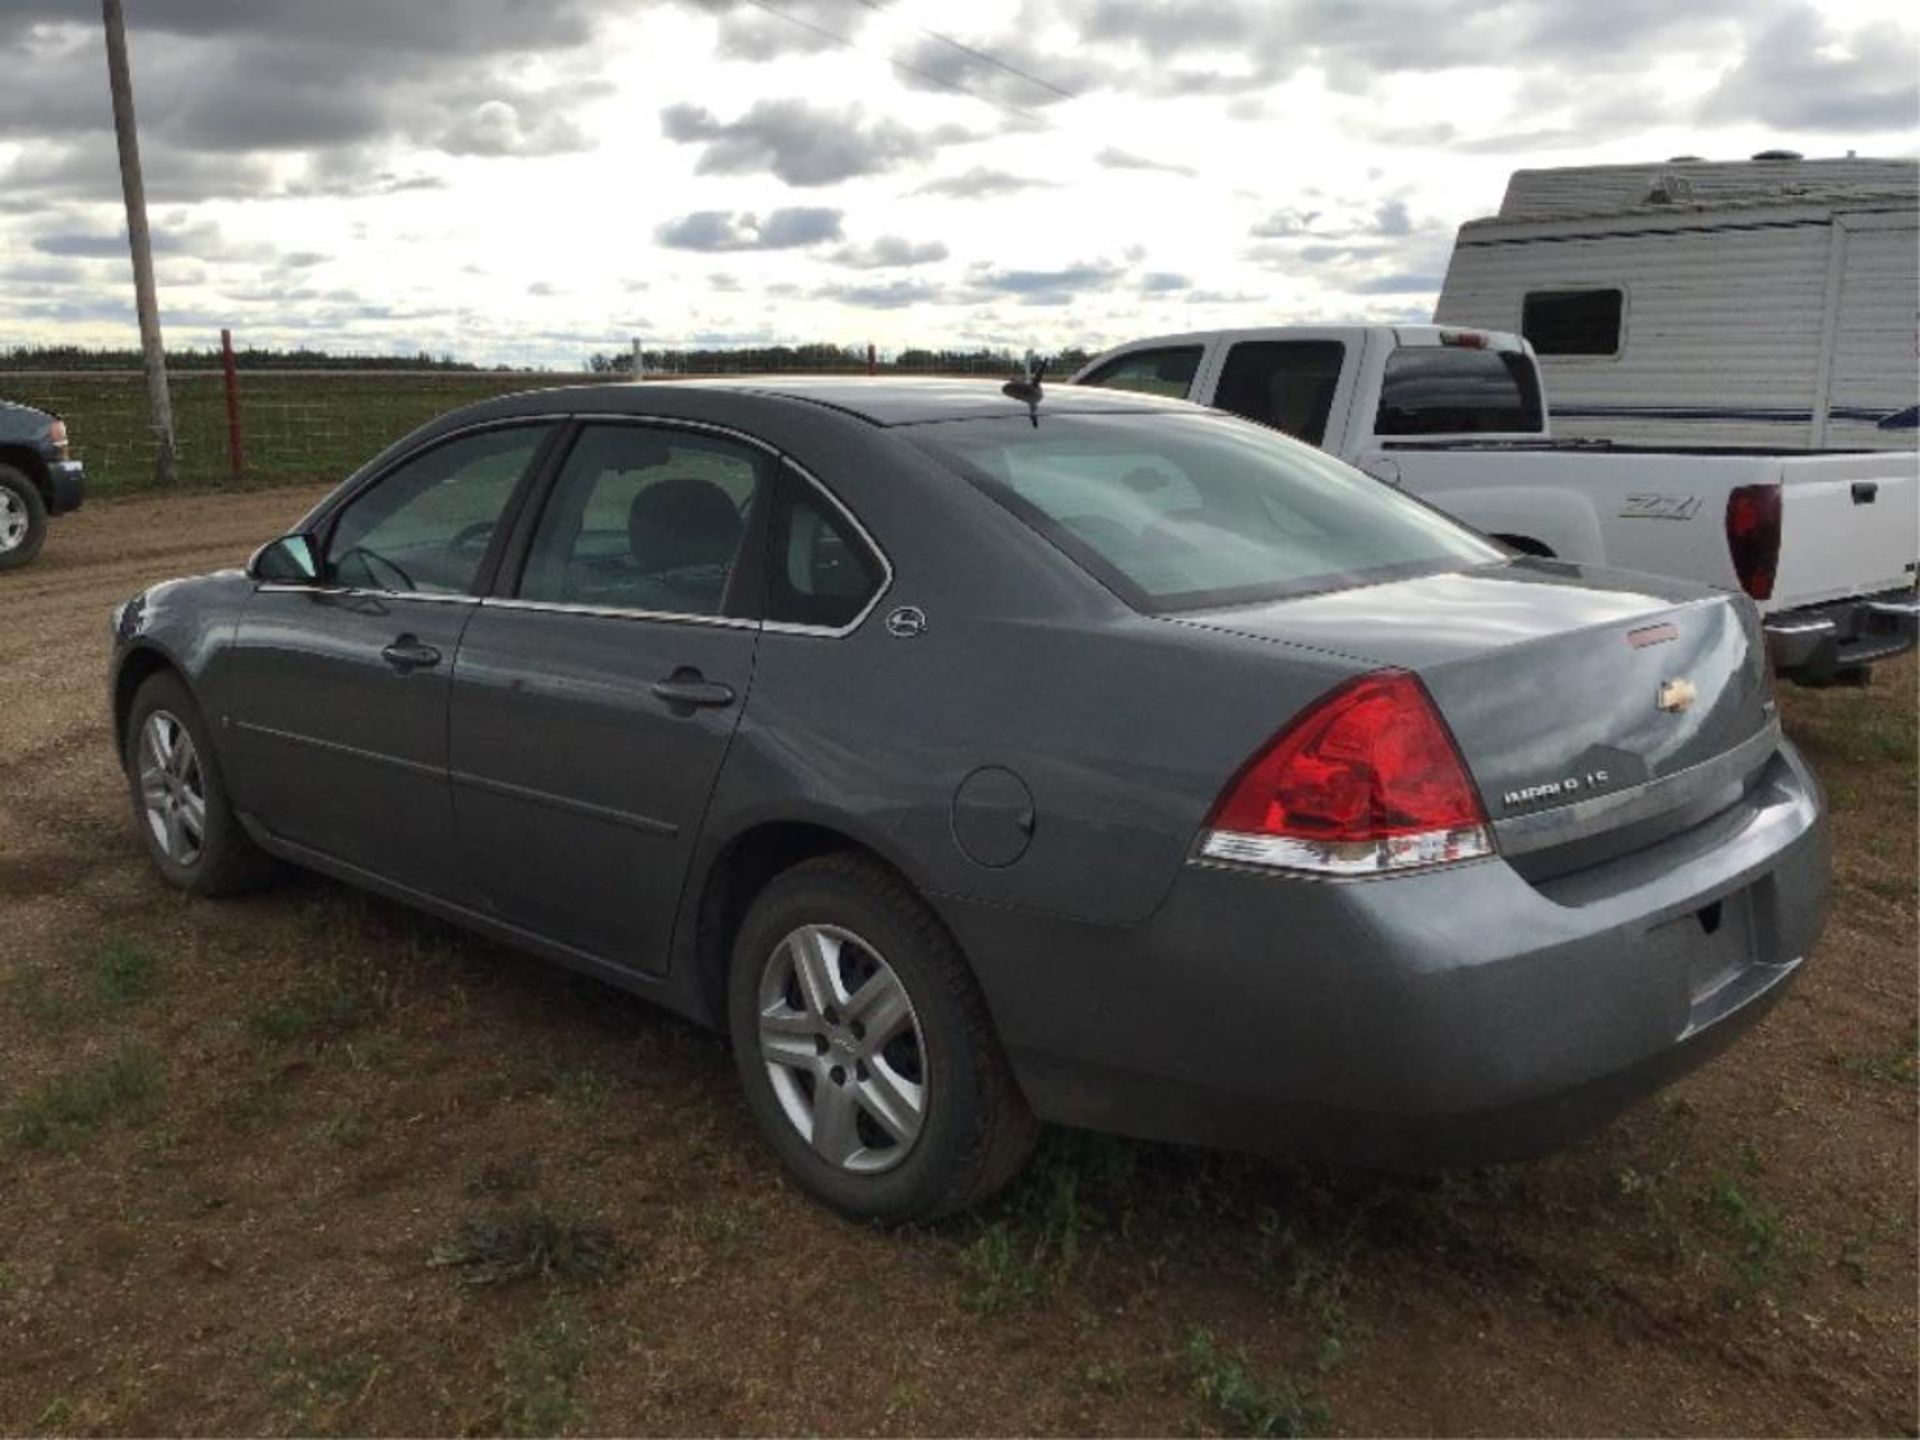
x=298, y=425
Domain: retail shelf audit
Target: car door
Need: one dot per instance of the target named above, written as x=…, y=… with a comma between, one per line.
x=335, y=691
x=595, y=695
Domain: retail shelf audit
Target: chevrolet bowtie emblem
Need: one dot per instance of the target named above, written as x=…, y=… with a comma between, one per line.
x=1676, y=695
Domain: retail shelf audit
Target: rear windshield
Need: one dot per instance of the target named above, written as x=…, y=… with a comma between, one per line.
x=1176, y=512
x=1452, y=390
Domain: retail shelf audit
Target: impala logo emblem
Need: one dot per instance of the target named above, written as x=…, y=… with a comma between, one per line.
x=1676, y=695
x=907, y=622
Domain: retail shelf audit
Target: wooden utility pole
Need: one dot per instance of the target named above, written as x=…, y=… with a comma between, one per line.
x=120, y=81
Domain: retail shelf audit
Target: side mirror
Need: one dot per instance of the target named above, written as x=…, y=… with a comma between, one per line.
x=288, y=561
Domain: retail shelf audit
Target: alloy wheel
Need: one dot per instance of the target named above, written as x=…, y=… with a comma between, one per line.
x=13, y=520
x=173, y=790
x=843, y=1049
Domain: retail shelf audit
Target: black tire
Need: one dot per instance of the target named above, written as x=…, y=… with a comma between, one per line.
x=226, y=862
x=21, y=494
x=976, y=1132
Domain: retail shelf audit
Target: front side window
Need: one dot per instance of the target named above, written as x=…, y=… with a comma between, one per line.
x=1457, y=390
x=1287, y=384
x=1572, y=322
x=821, y=572
x=426, y=525
x=1166, y=372
x=1177, y=512
x=644, y=519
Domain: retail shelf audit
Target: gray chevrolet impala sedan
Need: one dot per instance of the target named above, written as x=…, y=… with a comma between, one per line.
x=977, y=757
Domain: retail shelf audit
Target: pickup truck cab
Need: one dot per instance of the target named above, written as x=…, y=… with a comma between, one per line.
x=1825, y=543
x=38, y=478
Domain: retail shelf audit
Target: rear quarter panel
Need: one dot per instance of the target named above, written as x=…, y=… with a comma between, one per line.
x=1123, y=728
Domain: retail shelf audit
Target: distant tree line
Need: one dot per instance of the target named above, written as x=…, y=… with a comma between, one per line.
x=850, y=359
x=77, y=357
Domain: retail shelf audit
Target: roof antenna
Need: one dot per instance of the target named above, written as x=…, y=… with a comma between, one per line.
x=1027, y=387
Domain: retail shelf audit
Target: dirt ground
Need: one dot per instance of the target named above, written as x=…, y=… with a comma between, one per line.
x=256, y=1157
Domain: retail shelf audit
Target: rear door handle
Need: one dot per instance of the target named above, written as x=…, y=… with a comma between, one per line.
x=410, y=653
x=687, y=689
x=1865, y=491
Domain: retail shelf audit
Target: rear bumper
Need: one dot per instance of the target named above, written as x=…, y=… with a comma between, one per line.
x=1822, y=642
x=66, y=486
x=1454, y=1016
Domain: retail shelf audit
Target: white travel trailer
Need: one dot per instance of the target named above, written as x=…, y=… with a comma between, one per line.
x=1769, y=302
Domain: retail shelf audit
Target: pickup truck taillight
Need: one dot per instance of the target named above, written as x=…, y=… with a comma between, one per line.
x=1753, y=537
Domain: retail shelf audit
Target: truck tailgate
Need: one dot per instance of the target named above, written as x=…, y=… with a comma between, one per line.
x=1850, y=525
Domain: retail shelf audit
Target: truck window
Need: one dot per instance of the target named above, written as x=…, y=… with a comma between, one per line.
x=1455, y=390
x=1156, y=372
x=1287, y=384
x=1572, y=322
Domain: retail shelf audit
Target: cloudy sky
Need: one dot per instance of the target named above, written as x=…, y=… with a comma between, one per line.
x=532, y=180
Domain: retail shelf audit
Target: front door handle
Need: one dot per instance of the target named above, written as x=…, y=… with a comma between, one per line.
x=687, y=690
x=410, y=653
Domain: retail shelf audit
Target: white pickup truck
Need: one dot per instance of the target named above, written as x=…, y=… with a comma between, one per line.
x=1825, y=543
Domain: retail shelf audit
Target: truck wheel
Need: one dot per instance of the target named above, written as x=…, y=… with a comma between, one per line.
x=23, y=519
x=866, y=1050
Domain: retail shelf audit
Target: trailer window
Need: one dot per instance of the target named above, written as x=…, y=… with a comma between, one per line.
x=1453, y=390
x=1572, y=322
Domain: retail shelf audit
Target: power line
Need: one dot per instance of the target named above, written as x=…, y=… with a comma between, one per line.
x=940, y=80
x=880, y=7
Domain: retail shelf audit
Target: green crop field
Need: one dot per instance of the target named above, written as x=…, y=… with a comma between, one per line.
x=304, y=426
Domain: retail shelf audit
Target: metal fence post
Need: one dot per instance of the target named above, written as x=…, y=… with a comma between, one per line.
x=236, y=448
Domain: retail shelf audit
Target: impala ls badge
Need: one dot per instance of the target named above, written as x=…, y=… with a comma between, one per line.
x=1676, y=695
x=907, y=622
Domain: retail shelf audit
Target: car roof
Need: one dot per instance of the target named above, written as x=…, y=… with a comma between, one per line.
x=914, y=400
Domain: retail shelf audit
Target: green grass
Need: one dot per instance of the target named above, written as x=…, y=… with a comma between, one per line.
x=1250, y=1405
x=1032, y=1240
x=547, y=1244
x=301, y=1016
x=314, y=1388
x=124, y=972
x=295, y=427
x=542, y=1366
x=583, y=1088
x=61, y=1112
x=1757, y=1231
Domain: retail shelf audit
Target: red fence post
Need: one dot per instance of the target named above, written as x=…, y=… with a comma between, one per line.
x=873, y=360
x=236, y=451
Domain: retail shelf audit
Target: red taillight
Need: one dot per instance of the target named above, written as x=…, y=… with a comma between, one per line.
x=1753, y=536
x=1367, y=779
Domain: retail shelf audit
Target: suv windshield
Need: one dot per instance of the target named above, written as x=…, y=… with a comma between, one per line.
x=1176, y=512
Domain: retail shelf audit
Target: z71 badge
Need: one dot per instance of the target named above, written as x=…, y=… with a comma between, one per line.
x=1660, y=507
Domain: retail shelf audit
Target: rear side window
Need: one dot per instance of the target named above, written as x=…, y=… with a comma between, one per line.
x=1153, y=372
x=1455, y=390
x=1178, y=511
x=1287, y=384
x=822, y=572
x=1572, y=322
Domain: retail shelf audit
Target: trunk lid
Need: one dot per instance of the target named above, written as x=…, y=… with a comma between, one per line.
x=1587, y=704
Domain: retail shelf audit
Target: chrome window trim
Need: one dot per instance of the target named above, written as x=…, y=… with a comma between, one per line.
x=615, y=612
x=352, y=592
x=352, y=488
